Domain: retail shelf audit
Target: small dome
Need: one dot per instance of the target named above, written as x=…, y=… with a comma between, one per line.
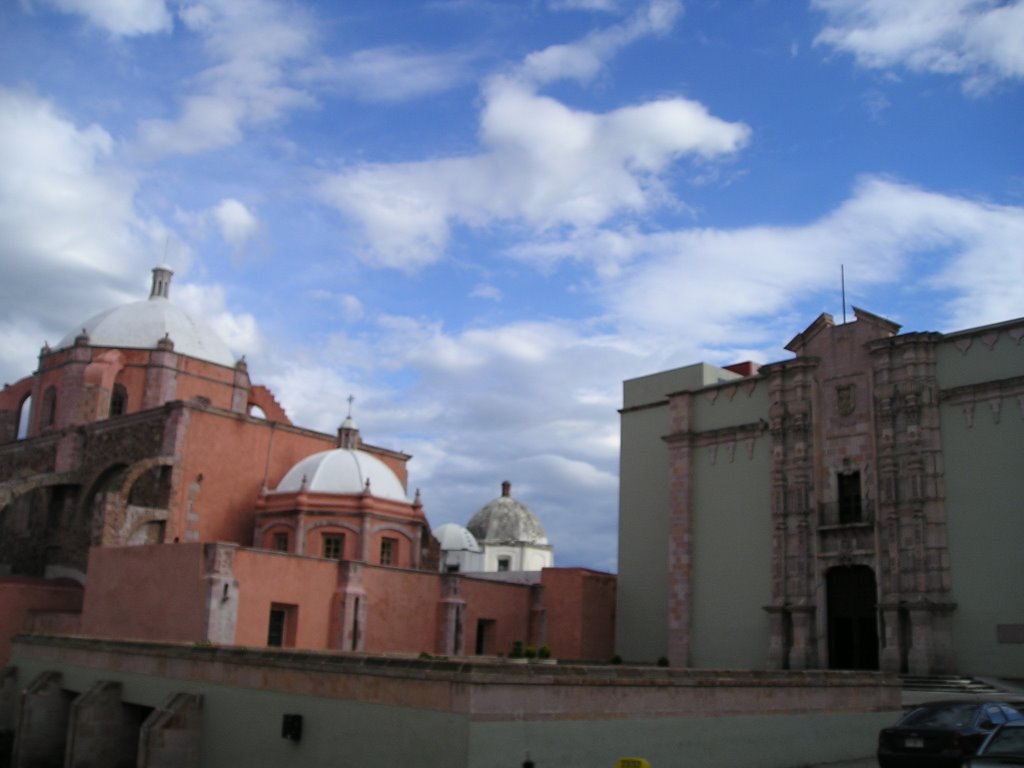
x=343, y=471
x=141, y=324
x=506, y=520
x=455, y=538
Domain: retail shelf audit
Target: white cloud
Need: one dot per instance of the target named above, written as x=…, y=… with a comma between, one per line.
x=120, y=17
x=542, y=164
x=236, y=222
x=979, y=40
x=255, y=45
x=390, y=74
x=68, y=226
x=729, y=287
x=209, y=302
x=486, y=291
x=583, y=60
x=584, y=5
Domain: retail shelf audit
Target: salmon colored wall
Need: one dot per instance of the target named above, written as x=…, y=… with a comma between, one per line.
x=402, y=609
x=203, y=379
x=507, y=604
x=152, y=592
x=265, y=578
x=236, y=455
x=580, y=613
x=20, y=596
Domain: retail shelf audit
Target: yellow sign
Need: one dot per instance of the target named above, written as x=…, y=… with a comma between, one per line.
x=632, y=762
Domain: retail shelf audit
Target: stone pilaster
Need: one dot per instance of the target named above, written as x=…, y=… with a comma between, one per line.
x=451, y=634
x=221, y=593
x=680, y=556
x=348, y=608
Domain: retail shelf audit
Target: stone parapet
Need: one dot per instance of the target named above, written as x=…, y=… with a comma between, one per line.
x=481, y=689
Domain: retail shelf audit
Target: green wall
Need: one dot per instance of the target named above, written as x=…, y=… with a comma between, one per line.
x=641, y=616
x=984, y=479
x=732, y=558
x=984, y=484
x=241, y=727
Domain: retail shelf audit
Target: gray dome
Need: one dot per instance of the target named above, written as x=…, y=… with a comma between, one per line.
x=141, y=324
x=506, y=520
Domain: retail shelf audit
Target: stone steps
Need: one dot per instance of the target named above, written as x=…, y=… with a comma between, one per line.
x=947, y=684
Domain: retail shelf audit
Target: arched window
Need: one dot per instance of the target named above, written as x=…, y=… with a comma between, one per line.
x=24, y=411
x=49, y=415
x=118, y=400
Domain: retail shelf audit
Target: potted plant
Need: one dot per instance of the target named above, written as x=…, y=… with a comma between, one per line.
x=516, y=654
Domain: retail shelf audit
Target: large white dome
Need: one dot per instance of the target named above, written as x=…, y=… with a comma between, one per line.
x=343, y=471
x=141, y=324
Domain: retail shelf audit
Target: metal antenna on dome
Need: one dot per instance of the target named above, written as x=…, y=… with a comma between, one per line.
x=351, y=399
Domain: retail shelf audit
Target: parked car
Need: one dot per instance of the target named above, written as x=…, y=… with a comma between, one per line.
x=942, y=733
x=1004, y=746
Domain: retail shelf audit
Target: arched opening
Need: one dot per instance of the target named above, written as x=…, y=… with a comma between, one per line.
x=852, y=617
x=49, y=415
x=256, y=412
x=24, y=411
x=102, y=506
x=118, y=400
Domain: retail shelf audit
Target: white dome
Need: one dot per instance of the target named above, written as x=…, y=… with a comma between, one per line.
x=455, y=538
x=343, y=471
x=141, y=324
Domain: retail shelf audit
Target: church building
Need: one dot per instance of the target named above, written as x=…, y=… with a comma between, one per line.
x=149, y=490
x=858, y=506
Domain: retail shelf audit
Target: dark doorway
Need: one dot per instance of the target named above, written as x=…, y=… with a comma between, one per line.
x=485, y=637
x=852, y=618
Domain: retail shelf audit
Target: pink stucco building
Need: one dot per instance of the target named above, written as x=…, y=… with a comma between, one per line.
x=125, y=514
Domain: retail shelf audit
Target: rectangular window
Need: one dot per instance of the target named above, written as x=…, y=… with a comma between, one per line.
x=388, y=551
x=275, y=631
x=504, y=563
x=281, y=626
x=280, y=542
x=334, y=545
x=849, y=498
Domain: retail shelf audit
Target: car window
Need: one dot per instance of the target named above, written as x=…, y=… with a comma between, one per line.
x=1006, y=741
x=1011, y=713
x=944, y=716
x=995, y=714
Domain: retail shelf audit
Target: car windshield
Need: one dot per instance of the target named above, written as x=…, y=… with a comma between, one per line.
x=1009, y=741
x=946, y=716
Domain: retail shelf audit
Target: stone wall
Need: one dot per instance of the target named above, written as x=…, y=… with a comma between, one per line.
x=461, y=713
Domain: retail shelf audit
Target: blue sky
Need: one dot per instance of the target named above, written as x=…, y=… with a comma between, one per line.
x=480, y=217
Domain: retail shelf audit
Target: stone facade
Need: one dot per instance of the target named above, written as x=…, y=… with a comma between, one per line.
x=842, y=454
